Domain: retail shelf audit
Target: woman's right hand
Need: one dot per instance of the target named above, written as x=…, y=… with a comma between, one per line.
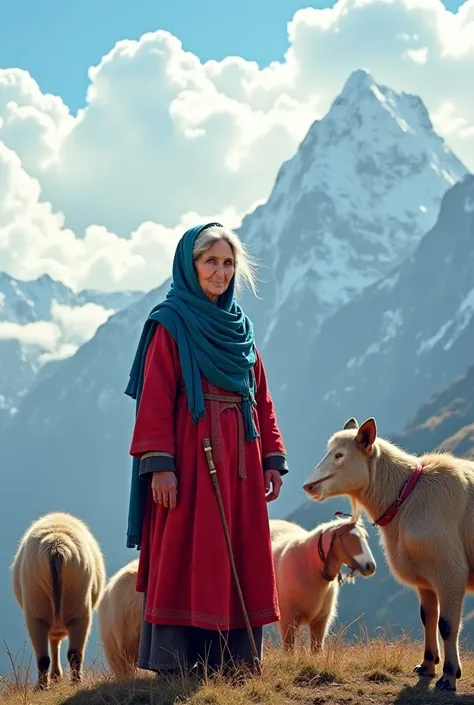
x=164, y=486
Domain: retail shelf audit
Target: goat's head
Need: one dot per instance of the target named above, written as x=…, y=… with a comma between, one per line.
x=352, y=548
x=344, y=470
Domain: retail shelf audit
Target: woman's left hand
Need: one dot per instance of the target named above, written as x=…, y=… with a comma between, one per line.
x=273, y=477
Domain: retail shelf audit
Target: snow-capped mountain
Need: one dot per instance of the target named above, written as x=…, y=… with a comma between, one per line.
x=400, y=341
x=355, y=200
x=365, y=184
x=16, y=376
x=29, y=328
x=23, y=301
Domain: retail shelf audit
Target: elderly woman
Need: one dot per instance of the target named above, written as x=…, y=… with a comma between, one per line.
x=197, y=374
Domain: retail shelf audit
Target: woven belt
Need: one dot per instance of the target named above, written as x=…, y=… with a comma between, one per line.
x=225, y=399
x=219, y=403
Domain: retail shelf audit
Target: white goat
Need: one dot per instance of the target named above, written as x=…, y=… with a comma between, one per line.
x=58, y=574
x=306, y=565
x=120, y=620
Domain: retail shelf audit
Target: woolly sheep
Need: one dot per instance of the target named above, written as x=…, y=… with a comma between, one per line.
x=58, y=574
x=120, y=618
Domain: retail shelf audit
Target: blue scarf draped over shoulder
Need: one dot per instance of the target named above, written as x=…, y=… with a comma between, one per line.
x=213, y=339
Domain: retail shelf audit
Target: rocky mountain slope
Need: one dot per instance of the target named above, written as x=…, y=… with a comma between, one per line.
x=397, y=343
x=445, y=422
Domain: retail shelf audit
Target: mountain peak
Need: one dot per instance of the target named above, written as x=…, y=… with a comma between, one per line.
x=363, y=102
x=358, y=80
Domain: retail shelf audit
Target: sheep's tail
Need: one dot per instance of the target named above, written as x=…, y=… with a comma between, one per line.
x=56, y=564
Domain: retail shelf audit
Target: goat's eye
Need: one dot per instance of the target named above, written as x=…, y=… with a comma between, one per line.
x=338, y=456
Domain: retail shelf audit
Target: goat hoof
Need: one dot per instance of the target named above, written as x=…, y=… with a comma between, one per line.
x=41, y=686
x=444, y=684
x=422, y=670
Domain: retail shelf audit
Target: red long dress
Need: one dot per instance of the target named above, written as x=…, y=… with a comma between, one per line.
x=184, y=566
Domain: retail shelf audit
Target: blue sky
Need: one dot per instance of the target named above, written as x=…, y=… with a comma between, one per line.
x=56, y=41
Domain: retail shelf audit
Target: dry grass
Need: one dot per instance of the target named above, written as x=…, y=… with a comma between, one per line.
x=377, y=671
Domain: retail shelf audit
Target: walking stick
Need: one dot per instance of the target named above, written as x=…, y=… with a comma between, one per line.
x=215, y=482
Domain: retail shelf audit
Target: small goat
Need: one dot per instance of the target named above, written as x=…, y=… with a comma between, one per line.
x=307, y=564
x=120, y=620
x=58, y=574
x=425, y=508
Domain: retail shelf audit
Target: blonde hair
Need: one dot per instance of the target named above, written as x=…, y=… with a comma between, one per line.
x=245, y=266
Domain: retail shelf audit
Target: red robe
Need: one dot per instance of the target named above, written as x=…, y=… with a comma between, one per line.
x=184, y=566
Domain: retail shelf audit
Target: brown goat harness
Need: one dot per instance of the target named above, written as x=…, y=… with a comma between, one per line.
x=337, y=535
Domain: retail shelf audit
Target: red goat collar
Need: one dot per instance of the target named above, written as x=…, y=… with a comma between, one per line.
x=405, y=492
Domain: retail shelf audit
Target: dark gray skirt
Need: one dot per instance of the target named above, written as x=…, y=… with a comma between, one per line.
x=170, y=648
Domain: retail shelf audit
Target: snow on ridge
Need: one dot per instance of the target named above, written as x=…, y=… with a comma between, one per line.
x=469, y=205
x=456, y=325
x=392, y=321
x=463, y=318
x=429, y=343
x=389, y=282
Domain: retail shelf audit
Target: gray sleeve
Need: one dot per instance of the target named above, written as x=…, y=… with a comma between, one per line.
x=156, y=462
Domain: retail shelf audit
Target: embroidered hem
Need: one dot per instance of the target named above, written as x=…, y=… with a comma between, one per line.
x=157, y=615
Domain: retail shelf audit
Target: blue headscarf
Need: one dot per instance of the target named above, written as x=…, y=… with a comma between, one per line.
x=213, y=339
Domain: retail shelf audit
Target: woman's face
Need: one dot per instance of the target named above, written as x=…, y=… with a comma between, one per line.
x=215, y=269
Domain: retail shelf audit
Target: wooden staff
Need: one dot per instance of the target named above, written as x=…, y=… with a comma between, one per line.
x=215, y=482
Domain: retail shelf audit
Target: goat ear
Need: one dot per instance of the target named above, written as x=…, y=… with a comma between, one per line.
x=366, y=435
x=351, y=423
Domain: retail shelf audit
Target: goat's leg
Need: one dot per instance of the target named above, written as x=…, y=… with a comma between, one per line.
x=289, y=625
x=122, y=660
x=450, y=596
x=78, y=630
x=130, y=655
x=55, y=645
x=38, y=631
x=429, y=611
x=317, y=631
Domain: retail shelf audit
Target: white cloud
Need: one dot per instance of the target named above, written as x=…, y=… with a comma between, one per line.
x=68, y=329
x=33, y=240
x=446, y=121
x=165, y=137
x=43, y=334
x=79, y=323
x=418, y=56
x=61, y=353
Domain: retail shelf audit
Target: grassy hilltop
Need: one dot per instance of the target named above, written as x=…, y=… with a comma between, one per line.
x=377, y=671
